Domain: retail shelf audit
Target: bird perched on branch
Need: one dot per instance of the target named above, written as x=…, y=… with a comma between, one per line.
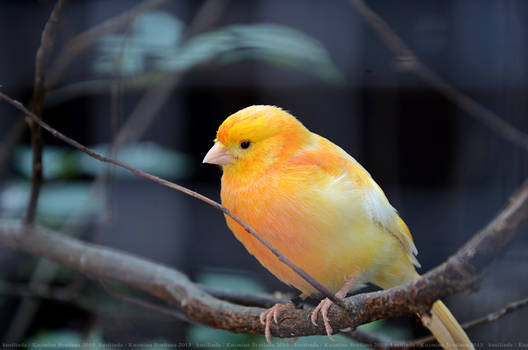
x=320, y=208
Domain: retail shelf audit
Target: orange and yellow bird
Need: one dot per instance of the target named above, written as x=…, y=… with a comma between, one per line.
x=320, y=208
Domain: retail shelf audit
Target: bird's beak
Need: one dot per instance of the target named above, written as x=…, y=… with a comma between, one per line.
x=218, y=154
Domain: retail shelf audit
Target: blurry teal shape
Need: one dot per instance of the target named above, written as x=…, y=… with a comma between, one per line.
x=59, y=162
x=388, y=330
x=62, y=162
x=225, y=279
x=146, y=156
x=153, y=35
x=210, y=338
x=156, y=38
x=58, y=201
x=272, y=43
x=65, y=340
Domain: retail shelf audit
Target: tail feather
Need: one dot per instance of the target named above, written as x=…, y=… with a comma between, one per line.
x=446, y=328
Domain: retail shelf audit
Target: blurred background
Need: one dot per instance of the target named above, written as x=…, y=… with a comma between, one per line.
x=152, y=86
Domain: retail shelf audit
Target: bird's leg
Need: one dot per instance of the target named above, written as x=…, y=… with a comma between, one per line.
x=325, y=304
x=273, y=313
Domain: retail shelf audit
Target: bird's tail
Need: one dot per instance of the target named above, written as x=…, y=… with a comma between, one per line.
x=440, y=321
x=445, y=328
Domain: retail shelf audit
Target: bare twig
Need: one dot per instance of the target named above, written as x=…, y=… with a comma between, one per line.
x=244, y=298
x=26, y=309
x=43, y=291
x=100, y=86
x=136, y=172
x=80, y=43
x=461, y=271
x=494, y=316
x=37, y=102
x=207, y=16
x=373, y=340
x=408, y=61
x=145, y=304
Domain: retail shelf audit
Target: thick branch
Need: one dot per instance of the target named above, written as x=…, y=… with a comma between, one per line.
x=460, y=272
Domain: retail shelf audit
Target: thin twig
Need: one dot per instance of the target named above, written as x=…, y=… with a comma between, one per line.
x=408, y=61
x=43, y=291
x=207, y=16
x=37, y=102
x=372, y=340
x=26, y=309
x=100, y=86
x=136, y=172
x=494, y=316
x=145, y=304
x=244, y=298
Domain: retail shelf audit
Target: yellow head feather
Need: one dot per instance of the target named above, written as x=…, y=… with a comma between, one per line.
x=272, y=133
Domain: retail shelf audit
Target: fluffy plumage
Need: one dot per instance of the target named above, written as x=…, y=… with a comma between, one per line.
x=312, y=201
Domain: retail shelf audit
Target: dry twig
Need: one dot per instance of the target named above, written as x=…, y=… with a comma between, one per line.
x=408, y=61
x=26, y=309
x=37, y=102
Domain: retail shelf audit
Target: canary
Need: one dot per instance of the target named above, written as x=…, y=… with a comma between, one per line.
x=320, y=208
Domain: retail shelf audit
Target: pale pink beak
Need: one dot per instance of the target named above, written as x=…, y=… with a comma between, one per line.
x=218, y=154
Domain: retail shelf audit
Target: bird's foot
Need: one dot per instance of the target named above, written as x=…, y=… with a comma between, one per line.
x=273, y=314
x=323, y=307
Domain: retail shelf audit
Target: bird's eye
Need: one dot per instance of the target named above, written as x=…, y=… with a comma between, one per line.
x=245, y=144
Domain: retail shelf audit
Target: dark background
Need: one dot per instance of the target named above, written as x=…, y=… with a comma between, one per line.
x=445, y=172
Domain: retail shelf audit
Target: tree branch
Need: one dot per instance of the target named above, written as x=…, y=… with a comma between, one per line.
x=37, y=102
x=461, y=271
x=408, y=61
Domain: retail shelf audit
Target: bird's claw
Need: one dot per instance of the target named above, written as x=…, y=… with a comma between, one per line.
x=272, y=314
x=323, y=308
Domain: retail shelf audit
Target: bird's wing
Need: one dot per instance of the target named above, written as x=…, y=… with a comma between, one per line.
x=382, y=213
x=348, y=176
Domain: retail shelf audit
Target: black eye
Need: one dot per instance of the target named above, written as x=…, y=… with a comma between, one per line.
x=245, y=144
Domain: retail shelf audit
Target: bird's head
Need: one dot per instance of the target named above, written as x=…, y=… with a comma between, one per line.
x=256, y=138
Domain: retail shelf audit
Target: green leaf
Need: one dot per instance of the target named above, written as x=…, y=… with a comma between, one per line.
x=146, y=156
x=154, y=34
x=57, y=201
x=61, y=162
x=58, y=162
x=151, y=41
